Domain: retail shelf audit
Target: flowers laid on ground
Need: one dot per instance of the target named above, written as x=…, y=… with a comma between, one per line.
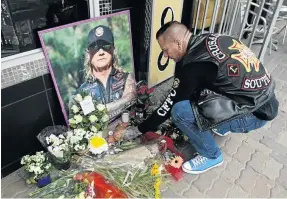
x=109, y=177
x=85, y=113
x=36, y=165
x=156, y=172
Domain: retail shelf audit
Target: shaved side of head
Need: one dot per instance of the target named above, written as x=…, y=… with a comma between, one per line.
x=173, y=38
x=172, y=30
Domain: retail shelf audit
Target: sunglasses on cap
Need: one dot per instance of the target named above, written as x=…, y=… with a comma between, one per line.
x=95, y=48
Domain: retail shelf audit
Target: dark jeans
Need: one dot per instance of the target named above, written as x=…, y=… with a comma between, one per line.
x=183, y=117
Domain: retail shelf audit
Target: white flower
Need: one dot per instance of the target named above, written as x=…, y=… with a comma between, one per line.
x=72, y=121
x=93, y=118
x=57, y=142
x=61, y=136
x=105, y=118
x=69, y=134
x=82, y=147
x=50, y=149
x=94, y=129
x=88, y=98
x=185, y=138
x=62, y=147
x=78, y=118
x=75, y=109
x=48, y=140
x=74, y=139
x=48, y=166
x=26, y=159
x=101, y=107
x=79, y=98
x=80, y=132
x=52, y=138
x=76, y=147
x=174, y=136
x=89, y=135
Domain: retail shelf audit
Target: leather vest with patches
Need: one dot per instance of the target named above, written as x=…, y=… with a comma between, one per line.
x=242, y=84
x=114, y=89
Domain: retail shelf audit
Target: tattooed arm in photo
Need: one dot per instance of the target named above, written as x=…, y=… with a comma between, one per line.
x=128, y=95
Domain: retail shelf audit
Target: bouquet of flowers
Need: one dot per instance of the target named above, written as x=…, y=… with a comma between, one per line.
x=95, y=119
x=37, y=165
x=143, y=93
x=59, y=148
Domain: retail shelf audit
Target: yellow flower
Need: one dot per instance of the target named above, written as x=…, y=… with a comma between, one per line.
x=157, y=195
x=155, y=170
x=97, y=145
x=157, y=184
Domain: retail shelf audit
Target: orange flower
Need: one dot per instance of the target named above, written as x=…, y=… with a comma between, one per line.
x=176, y=162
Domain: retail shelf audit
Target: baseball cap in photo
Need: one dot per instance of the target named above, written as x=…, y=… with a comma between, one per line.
x=100, y=33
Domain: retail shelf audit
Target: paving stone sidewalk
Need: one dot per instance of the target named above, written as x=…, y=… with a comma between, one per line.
x=255, y=163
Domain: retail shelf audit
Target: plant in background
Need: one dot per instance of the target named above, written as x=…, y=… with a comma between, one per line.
x=36, y=165
x=96, y=120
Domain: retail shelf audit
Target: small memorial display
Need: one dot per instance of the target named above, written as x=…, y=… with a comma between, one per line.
x=94, y=56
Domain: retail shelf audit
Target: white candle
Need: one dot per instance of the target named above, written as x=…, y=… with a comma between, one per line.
x=125, y=117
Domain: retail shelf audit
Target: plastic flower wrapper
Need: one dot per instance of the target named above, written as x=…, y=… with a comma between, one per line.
x=134, y=174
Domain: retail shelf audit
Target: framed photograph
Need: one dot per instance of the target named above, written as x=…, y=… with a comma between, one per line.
x=93, y=56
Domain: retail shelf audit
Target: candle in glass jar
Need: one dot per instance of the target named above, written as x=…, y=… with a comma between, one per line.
x=125, y=117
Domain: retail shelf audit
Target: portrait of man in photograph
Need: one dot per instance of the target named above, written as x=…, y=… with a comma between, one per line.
x=95, y=57
x=104, y=79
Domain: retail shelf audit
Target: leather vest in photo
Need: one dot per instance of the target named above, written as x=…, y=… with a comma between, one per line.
x=114, y=89
x=242, y=84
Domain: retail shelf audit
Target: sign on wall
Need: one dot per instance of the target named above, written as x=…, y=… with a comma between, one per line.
x=160, y=67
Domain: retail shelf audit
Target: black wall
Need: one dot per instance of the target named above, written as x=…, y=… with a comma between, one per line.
x=26, y=109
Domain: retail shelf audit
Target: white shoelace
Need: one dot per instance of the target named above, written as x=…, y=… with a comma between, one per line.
x=198, y=160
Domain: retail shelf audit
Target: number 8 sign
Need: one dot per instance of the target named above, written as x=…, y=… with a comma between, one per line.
x=161, y=68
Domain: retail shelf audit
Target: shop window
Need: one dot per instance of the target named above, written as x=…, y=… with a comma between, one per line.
x=22, y=19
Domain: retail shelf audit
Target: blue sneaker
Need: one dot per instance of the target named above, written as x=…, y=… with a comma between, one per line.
x=201, y=164
x=220, y=134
